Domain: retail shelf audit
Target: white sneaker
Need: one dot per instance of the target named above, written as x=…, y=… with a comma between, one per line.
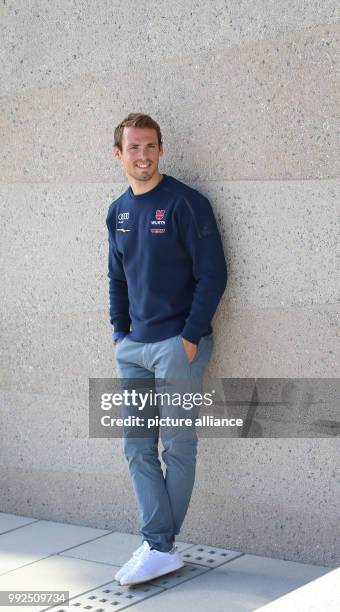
x=130, y=563
x=152, y=564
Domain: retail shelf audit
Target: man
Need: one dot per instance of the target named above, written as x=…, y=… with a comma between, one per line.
x=167, y=274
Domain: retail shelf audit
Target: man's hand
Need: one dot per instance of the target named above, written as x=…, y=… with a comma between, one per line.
x=118, y=340
x=190, y=349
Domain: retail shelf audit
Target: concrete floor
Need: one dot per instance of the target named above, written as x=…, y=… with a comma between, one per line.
x=39, y=555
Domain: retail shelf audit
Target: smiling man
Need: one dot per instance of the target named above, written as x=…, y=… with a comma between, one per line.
x=167, y=273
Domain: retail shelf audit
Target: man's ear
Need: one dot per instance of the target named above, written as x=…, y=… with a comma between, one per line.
x=117, y=152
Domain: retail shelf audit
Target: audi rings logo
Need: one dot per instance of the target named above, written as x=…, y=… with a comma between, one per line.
x=123, y=216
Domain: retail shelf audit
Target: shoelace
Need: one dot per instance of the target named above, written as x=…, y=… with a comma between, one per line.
x=139, y=551
x=145, y=553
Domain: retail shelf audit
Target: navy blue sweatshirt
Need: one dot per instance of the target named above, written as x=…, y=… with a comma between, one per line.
x=166, y=266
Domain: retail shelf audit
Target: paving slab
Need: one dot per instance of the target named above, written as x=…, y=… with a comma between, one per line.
x=56, y=573
x=322, y=594
x=242, y=585
x=14, y=521
x=115, y=548
x=45, y=555
x=40, y=539
x=209, y=556
x=109, y=597
x=188, y=572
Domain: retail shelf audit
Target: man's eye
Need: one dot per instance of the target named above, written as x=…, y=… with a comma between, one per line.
x=136, y=147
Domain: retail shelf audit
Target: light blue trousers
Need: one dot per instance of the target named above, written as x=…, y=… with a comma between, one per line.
x=162, y=367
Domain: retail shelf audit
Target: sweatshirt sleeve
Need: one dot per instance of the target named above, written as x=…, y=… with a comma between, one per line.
x=118, y=289
x=200, y=235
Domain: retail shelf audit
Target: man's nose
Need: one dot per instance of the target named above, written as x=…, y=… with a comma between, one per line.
x=144, y=154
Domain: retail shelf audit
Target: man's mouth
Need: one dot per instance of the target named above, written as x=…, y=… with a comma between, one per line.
x=143, y=166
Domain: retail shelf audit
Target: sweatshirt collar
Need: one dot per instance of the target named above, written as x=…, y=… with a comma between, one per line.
x=151, y=192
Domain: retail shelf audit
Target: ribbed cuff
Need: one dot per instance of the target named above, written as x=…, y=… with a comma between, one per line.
x=121, y=324
x=192, y=333
x=118, y=334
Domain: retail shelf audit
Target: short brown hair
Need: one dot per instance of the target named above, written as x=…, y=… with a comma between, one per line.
x=136, y=120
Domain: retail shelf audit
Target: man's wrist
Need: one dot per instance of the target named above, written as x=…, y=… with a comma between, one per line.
x=191, y=333
x=194, y=343
x=118, y=335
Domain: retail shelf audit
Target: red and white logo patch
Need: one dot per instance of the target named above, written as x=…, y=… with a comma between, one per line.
x=159, y=214
x=158, y=221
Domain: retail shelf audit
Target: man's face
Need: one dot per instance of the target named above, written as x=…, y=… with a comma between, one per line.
x=139, y=148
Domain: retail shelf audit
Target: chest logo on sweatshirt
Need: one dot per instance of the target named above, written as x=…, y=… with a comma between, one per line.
x=124, y=216
x=158, y=221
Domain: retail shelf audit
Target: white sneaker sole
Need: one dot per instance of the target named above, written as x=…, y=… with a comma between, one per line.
x=157, y=574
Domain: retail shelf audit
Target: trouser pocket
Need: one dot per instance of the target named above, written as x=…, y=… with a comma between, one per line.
x=179, y=339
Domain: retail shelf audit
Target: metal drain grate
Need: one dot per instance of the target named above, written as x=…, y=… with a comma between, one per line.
x=187, y=572
x=208, y=556
x=110, y=597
